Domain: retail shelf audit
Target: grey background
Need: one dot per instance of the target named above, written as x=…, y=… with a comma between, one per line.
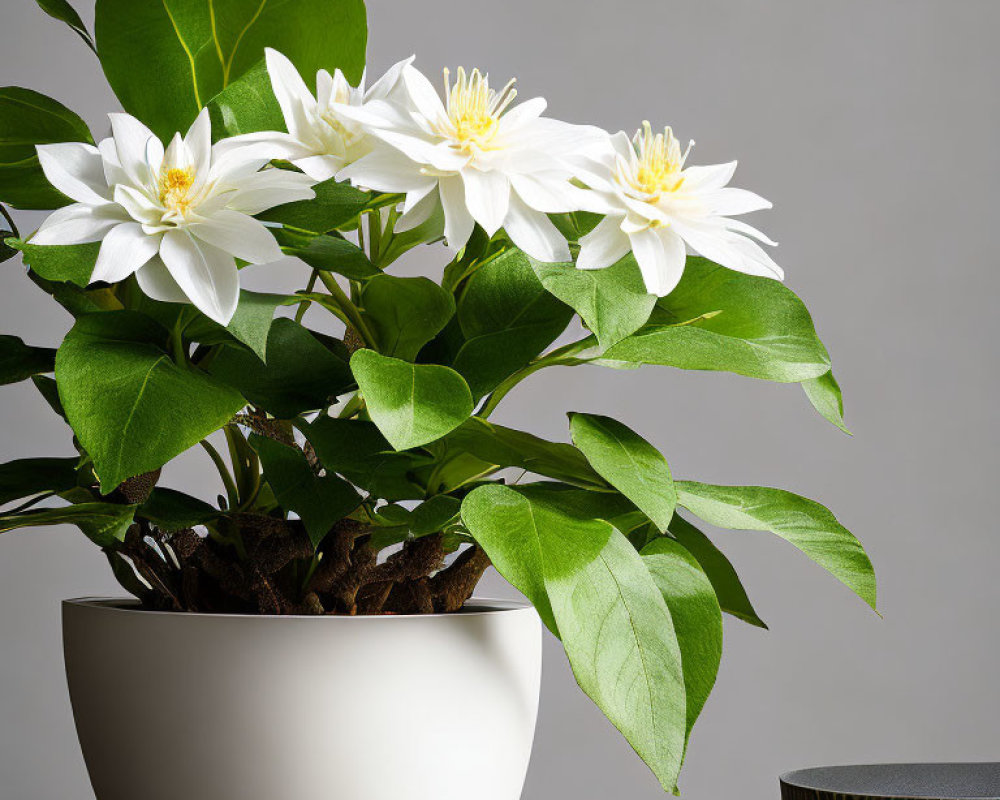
x=872, y=127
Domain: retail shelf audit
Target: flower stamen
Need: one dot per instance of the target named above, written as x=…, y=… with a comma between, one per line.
x=474, y=109
x=659, y=161
x=175, y=188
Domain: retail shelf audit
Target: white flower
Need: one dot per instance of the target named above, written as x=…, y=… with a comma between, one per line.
x=320, y=140
x=482, y=162
x=659, y=208
x=178, y=218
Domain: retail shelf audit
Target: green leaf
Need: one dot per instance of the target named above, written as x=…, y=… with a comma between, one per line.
x=328, y=253
x=247, y=105
x=591, y=585
x=505, y=318
x=335, y=205
x=728, y=588
x=824, y=393
x=805, y=523
x=757, y=327
x=103, y=523
x=319, y=501
x=64, y=12
x=612, y=302
x=250, y=325
x=412, y=404
x=6, y=251
x=434, y=515
x=628, y=462
x=27, y=119
x=696, y=615
x=170, y=510
x=19, y=361
x=130, y=405
x=405, y=313
x=50, y=392
x=166, y=60
x=301, y=374
x=27, y=477
x=358, y=451
x=72, y=263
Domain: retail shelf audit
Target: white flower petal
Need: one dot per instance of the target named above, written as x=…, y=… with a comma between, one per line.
x=521, y=114
x=207, y=275
x=661, y=256
x=375, y=114
x=708, y=178
x=604, y=245
x=273, y=187
x=156, y=282
x=418, y=210
x=294, y=97
x=78, y=224
x=139, y=151
x=534, y=233
x=326, y=88
x=422, y=94
x=385, y=87
x=198, y=142
x=75, y=169
x=487, y=196
x=730, y=201
x=554, y=195
x=319, y=168
x=439, y=156
x=124, y=250
x=385, y=170
x=262, y=146
x=113, y=172
x=713, y=241
x=738, y=226
x=138, y=205
x=458, y=222
x=240, y=235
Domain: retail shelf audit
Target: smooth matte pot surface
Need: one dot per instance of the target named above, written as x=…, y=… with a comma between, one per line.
x=216, y=707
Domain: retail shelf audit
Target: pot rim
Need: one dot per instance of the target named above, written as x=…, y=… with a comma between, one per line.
x=476, y=606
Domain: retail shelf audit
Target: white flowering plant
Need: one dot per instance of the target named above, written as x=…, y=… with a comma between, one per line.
x=361, y=473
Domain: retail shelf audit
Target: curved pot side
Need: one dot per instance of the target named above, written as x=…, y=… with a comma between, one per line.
x=215, y=707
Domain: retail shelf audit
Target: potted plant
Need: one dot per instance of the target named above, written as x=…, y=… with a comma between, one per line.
x=313, y=630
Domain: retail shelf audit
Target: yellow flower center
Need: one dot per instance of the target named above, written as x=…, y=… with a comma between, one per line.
x=474, y=109
x=660, y=161
x=175, y=187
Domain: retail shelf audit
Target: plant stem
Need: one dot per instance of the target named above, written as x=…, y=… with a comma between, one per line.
x=350, y=310
x=10, y=221
x=220, y=465
x=304, y=305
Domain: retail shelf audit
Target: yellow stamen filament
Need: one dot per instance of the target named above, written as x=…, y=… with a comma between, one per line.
x=660, y=161
x=175, y=187
x=474, y=109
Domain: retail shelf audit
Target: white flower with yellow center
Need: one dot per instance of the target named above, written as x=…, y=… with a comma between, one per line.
x=482, y=158
x=660, y=208
x=320, y=140
x=177, y=218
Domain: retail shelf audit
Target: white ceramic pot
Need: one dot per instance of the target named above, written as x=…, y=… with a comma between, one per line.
x=216, y=707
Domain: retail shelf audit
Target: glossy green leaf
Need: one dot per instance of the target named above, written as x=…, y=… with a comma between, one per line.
x=27, y=119
x=50, y=393
x=71, y=263
x=405, y=313
x=696, y=615
x=612, y=302
x=335, y=205
x=166, y=60
x=628, y=462
x=591, y=585
x=328, y=253
x=246, y=105
x=170, y=510
x=412, y=404
x=301, y=374
x=64, y=12
x=119, y=388
x=728, y=587
x=19, y=361
x=802, y=522
x=757, y=327
x=27, y=477
x=103, y=523
x=318, y=500
x=824, y=393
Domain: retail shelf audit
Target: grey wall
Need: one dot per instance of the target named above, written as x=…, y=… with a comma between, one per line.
x=872, y=127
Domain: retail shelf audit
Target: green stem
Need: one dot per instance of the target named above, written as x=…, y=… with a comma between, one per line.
x=350, y=310
x=10, y=221
x=304, y=305
x=227, y=479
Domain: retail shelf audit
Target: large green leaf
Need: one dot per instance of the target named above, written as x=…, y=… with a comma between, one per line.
x=27, y=477
x=728, y=587
x=741, y=323
x=505, y=318
x=301, y=374
x=72, y=263
x=613, y=302
x=696, y=614
x=27, y=119
x=19, y=361
x=103, y=523
x=335, y=205
x=824, y=393
x=246, y=105
x=130, y=405
x=318, y=500
x=165, y=60
x=805, y=523
x=591, y=585
x=412, y=404
x=628, y=462
x=405, y=313
x=327, y=253
x=250, y=325
x=171, y=510
x=357, y=450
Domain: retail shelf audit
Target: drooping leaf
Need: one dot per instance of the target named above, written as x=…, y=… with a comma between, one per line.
x=103, y=523
x=301, y=374
x=170, y=510
x=590, y=584
x=166, y=60
x=27, y=119
x=612, y=302
x=49, y=391
x=405, y=313
x=246, y=105
x=64, y=12
x=19, y=361
x=628, y=462
x=250, y=325
x=27, y=477
x=742, y=323
x=130, y=405
x=696, y=615
x=824, y=393
x=802, y=522
x=728, y=587
x=72, y=263
x=412, y=404
x=327, y=253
